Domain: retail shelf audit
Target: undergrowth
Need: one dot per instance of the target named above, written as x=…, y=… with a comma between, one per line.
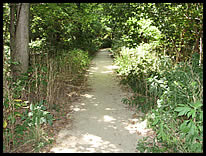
x=171, y=96
x=28, y=100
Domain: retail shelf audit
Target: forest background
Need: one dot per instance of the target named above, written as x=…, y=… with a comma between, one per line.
x=157, y=46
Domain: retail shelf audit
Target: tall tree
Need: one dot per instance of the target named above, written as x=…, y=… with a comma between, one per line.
x=19, y=37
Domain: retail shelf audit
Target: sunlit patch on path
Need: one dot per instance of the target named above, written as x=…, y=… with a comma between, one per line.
x=101, y=122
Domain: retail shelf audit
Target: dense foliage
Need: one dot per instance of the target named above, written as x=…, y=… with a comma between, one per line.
x=63, y=38
x=160, y=58
x=157, y=46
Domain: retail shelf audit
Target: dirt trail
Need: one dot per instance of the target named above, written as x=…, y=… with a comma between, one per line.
x=101, y=122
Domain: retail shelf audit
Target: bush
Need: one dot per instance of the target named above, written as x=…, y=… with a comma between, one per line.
x=171, y=95
x=140, y=31
x=74, y=61
x=135, y=65
x=178, y=116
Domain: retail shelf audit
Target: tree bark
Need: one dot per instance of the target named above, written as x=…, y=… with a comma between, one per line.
x=21, y=52
x=12, y=36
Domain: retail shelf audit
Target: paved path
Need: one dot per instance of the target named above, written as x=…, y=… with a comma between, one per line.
x=101, y=122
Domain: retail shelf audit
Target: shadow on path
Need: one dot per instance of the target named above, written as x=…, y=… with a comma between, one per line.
x=101, y=123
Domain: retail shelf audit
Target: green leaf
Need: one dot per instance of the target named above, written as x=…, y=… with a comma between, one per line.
x=200, y=128
x=193, y=83
x=193, y=112
x=11, y=117
x=42, y=120
x=197, y=147
x=44, y=83
x=44, y=69
x=45, y=113
x=201, y=116
x=50, y=122
x=18, y=104
x=31, y=107
x=182, y=110
x=179, y=109
x=192, y=128
x=155, y=122
x=17, y=114
x=184, y=127
x=181, y=105
x=196, y=105
x=189, y=114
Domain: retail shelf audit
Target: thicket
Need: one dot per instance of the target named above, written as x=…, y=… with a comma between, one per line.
x=170, y=95
x=63, y=39
x=159, y=55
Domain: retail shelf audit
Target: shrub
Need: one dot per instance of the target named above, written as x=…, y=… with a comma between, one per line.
x=178, y=116
x=170, y=94
x=74, y=61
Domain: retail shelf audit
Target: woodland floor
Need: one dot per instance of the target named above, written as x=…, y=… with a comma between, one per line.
x=96, y=120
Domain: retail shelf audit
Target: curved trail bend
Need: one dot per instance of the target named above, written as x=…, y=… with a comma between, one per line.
x=101, y=123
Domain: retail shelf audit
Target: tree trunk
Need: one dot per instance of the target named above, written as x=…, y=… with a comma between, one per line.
x=21, y=53
x=12, y=36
